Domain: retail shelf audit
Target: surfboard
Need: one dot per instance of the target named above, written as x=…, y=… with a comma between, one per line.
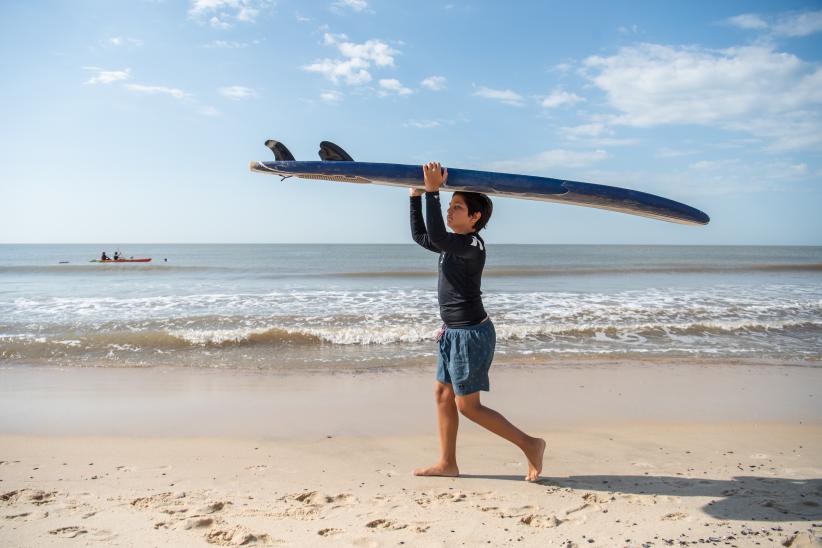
x=337, y=165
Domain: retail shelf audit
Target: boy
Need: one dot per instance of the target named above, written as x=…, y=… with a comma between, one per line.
x=466, y=343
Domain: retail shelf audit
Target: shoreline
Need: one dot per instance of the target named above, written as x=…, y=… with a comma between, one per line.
x=213, y=402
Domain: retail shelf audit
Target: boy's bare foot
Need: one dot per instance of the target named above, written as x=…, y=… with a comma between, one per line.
x=447, y=470
x=535, y=454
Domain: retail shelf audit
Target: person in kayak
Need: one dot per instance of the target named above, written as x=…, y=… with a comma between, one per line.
x=104, y=257
x=116, y=254
x=467, y=338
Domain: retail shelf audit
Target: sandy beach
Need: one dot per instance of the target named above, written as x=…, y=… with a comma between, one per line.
x=638, y=455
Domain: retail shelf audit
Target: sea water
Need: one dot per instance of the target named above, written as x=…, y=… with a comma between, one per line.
x=309, y=307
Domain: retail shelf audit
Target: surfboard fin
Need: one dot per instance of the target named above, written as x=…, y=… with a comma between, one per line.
x=329, y=152
x=281, y=153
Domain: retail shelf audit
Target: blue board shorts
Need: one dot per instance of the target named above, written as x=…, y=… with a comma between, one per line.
x=465, y=356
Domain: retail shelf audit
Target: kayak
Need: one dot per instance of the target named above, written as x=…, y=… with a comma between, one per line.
x=121, y=261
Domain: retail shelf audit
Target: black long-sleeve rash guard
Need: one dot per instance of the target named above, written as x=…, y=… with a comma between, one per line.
x=462, y=258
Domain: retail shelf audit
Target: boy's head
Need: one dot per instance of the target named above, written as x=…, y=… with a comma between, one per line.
x=477, y=203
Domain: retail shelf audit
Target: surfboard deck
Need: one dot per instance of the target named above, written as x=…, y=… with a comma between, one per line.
x=509, y=185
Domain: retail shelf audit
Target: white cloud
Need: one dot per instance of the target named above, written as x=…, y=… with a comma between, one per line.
x=118, y=41
x=392, y=85
x=434, y=83
x=559, y=98
x=787, y=24
x=373, y=50
x=505, y=96
x=754, y=89
x=799, y=24
x=223, y=13
x=352, y=71
x=550, y=159
x=107, y=76
x=748, y=21
x=666, y=152
x=353, y=67
x=226, y=44
x=238, y=92
x=302, y=18
x=158, y=90
x=423, y=124
x=331, y=96
x=356, y=5
x=594, y=129
x=712, y=165
x=218, y=23
x=594, y=134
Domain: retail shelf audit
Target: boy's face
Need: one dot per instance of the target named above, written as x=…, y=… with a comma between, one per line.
x=458, y=219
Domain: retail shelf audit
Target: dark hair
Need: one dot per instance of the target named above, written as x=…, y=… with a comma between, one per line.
x=477, y=202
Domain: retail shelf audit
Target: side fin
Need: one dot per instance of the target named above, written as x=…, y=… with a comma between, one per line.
x=281, y=153
x=329, y=152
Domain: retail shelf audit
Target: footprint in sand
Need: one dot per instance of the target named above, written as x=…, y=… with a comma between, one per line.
x=126, y=469
x=257, y=467
x=198, y=523
x=341, y=499
x=238, y=536
x=160, y=499
x=542, y=522
x=17, y=516
x=329, y=532
x=452, y=497
x=73, y=531
x=385, y=524
x=318, y=499
x=674, y=516
x=100, y=535
x=213, y=507
x=595, y=498
x=423, y=500
x=32, y=496
x=306, y=497
x=68, y=532
x=305, y=505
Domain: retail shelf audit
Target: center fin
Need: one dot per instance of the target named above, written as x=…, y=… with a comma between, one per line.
x=329, y=152
x=281, y=153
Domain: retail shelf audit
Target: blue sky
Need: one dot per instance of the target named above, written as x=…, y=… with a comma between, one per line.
x=135, y=121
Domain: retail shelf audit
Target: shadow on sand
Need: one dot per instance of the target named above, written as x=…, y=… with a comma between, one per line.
x=747, y=498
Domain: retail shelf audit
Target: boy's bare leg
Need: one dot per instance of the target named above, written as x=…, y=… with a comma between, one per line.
x=448, y=418
x=534, y=448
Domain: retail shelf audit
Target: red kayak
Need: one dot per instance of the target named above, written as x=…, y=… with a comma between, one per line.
x=121, y=261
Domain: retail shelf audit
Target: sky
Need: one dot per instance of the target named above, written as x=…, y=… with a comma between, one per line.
x=135, y=121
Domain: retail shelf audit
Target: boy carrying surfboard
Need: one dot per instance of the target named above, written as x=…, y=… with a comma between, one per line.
x=467, y=339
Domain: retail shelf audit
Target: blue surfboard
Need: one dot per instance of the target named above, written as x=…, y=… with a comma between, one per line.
x=336, y=165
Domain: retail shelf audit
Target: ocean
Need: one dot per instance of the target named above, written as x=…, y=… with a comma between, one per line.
x=334, y=307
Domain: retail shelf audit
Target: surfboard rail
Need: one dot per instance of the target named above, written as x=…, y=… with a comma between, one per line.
x=529, y=187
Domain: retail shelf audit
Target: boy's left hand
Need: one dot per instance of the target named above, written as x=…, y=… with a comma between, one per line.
x=434, y=176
